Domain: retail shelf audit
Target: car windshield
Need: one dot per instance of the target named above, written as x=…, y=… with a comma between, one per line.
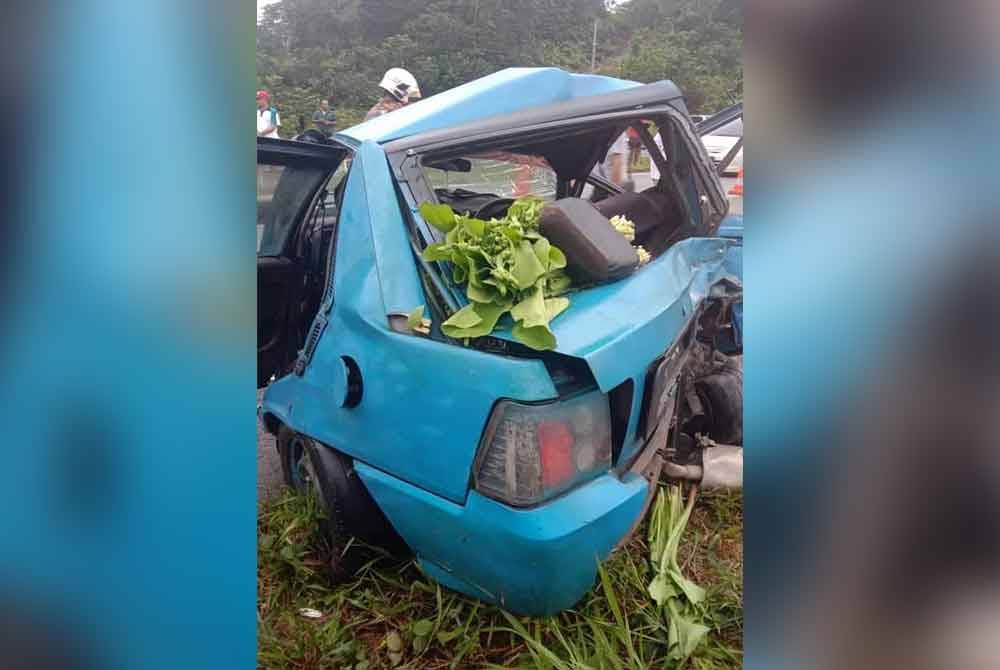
x=502, y=173
x=732, y=129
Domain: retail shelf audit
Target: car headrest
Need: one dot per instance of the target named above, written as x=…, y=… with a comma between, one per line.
x=595, y=251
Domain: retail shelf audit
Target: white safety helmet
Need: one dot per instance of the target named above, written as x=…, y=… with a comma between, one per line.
x=400, y=84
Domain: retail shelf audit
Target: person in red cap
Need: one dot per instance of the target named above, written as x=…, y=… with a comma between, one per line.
x=268, y=120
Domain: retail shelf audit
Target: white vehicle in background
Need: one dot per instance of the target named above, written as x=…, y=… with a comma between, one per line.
x=721, y=141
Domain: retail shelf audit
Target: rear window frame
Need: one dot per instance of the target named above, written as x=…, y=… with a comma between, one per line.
x=407, y=164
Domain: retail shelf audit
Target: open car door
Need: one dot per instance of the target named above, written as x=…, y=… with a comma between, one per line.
x=291, y=191
x=730, y=115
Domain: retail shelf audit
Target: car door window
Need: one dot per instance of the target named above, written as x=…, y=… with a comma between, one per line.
x=282, y=192
x=732, y=129
x=320, y=235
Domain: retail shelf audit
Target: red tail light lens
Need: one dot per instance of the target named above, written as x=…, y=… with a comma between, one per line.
x=555, y=442
x=531, y=453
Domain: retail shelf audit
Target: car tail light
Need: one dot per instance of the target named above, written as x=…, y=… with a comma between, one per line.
x=531, y=453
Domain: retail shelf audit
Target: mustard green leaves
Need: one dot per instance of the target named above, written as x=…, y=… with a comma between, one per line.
x=507, y=267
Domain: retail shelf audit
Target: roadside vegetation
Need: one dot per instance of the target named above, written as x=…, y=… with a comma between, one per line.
x=390, y=616
x=339, y=49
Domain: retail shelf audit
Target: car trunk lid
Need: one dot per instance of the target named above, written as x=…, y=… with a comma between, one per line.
x=619, y=328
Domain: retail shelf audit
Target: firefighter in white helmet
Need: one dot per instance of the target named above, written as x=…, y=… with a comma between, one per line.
x=400, y=90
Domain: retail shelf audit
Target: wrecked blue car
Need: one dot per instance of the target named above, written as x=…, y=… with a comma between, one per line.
x=508, y=472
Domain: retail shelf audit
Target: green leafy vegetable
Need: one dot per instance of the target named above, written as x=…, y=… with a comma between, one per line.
x=474, y=320
x=416, y=322
x=527, y=268
x=644, y=256
x=627, y=230
x=416, y=317
x=625, y=227
x=439, y=216
x=680, y=597
x=507, y=266
x=526, y=212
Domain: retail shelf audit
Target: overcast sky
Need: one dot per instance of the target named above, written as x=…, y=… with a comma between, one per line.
x=260, y=5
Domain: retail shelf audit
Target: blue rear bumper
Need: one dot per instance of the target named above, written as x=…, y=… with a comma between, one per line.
x=536, y=561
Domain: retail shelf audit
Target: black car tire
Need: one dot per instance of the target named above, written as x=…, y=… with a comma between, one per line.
x=350, y=510
x=343, y=560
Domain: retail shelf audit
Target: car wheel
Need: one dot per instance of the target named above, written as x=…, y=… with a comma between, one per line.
x=305, y=470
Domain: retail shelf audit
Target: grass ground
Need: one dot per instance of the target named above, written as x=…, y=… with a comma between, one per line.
x=642, y=165
x=390, y=616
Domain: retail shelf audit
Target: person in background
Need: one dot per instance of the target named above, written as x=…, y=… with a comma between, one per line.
x=654, y=169
x=613, y=167
x=634, y=148
x=268, y=120
x=400, y=90
x=325, y=118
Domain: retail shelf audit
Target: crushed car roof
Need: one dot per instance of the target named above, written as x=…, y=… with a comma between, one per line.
x=503, y=93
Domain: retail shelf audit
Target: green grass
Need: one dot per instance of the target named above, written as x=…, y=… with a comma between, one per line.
x=389, y=615
x=642, y=165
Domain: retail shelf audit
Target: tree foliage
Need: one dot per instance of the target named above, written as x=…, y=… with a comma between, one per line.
x=339, y=49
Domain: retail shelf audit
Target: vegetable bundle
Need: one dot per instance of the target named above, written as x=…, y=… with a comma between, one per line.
x=626, y=229
x=506, y=266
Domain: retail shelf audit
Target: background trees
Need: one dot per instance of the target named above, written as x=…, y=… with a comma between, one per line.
x=339, y=49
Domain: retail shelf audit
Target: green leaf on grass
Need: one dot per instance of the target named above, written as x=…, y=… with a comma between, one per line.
x=660, y=589
x=694, y=593
x=394, y=642
x=684, y=637
x=422, y=627
x=670, y=589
